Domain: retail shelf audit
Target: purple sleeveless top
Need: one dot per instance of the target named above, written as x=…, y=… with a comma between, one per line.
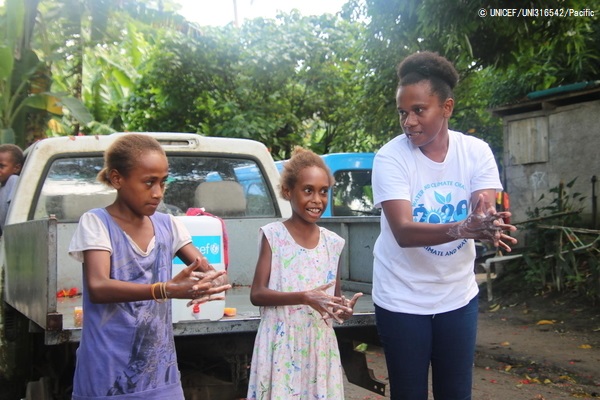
x=127, y=349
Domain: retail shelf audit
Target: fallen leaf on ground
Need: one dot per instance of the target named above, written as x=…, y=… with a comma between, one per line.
x=531, y=380
x=545, y=322
x=567, y=378
x=585, y=346
x=361, y=347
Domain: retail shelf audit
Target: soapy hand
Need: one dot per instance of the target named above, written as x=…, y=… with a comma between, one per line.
x=203, y=267
x=200, y=282
x=342, y=313
x=327, y=305
x=485, y=224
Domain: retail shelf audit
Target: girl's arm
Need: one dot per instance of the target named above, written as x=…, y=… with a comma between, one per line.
x=188, y=253
x=188, y=284
x=260, y=294
x=418, y=234
x=101, y=288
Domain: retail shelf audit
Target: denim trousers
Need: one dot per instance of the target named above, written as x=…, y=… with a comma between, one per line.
x=414, y=342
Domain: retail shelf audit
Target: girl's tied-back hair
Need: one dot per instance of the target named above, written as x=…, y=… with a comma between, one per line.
x=123, y=154
x=301, y=158
x=432, y=67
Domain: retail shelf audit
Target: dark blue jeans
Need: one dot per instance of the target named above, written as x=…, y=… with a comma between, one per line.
x=413, y=342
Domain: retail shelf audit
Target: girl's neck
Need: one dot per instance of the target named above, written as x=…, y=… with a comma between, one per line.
x=124, y=214
x=139, y=227
x=306, y=234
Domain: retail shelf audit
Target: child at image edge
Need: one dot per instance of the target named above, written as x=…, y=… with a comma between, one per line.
x=11, y=161
x=127, y=350
x=297, y=286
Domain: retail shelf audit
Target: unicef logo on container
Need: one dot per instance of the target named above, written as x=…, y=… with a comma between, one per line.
x=209, y=246
x=214, y=248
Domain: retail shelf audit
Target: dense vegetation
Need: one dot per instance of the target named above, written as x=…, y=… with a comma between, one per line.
x=323, y=81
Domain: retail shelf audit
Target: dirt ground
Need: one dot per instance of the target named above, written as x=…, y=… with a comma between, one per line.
x=529, y=347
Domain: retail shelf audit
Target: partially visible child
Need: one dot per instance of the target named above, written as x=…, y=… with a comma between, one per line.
x=11, y=162
x=127, y=348
x=297, y=285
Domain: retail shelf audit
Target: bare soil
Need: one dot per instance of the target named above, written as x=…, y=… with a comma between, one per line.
x=530, y=347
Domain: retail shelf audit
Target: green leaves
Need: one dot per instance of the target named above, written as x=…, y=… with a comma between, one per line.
x=6, y=63
x=76, y=108
x=326, y=82
x=293, y=80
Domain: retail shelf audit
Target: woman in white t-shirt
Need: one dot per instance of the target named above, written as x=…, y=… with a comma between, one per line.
x=436, y=189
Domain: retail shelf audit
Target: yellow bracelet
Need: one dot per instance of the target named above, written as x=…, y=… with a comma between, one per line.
x=163, y=291
x=153, y=289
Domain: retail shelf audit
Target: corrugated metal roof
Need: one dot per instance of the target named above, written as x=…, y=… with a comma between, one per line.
x=573, y=87
x=552, y=98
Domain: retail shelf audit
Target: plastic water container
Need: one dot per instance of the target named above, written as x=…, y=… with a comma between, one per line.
x=207, y=236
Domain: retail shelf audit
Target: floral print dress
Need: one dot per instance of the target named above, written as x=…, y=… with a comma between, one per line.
x=296, y=354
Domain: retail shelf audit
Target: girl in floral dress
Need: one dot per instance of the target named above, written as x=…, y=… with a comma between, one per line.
x=297, y=286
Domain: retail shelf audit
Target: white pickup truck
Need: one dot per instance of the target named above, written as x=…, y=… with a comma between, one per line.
x=234, y=179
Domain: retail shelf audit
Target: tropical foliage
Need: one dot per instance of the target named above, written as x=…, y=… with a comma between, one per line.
x=326, y=82
x=26, y=101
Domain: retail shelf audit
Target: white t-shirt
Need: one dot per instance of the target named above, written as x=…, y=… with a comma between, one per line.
x=92, y=234
x=431, y=279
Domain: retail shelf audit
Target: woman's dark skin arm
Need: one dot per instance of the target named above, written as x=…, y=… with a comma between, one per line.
x=488, y=226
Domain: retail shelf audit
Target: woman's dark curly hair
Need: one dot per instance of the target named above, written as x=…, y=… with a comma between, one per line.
x=428, y=66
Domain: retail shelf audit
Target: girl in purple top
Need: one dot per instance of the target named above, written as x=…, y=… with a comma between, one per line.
x=127, y=349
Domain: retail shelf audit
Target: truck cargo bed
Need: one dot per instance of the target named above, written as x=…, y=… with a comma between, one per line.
x=245, y=320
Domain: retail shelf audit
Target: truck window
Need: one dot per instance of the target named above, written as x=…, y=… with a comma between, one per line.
x=353, y=194
x=226, y=187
